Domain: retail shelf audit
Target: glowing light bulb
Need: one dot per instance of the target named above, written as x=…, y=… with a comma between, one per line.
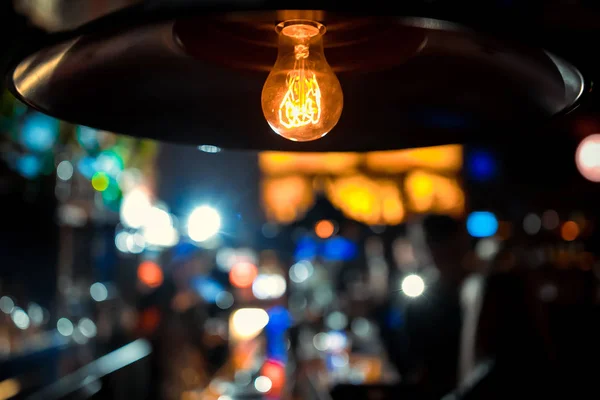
x=302, y=99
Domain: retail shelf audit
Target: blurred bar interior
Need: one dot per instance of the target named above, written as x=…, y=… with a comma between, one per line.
x=136, y=268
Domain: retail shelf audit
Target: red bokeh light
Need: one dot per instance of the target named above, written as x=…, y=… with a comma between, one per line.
x=275, y=371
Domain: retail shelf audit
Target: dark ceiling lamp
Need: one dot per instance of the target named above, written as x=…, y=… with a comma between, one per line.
x=232, y=73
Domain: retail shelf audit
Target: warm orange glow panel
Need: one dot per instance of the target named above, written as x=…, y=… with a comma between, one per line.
x=373, y=188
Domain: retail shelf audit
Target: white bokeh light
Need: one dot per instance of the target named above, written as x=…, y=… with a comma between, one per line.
x=121, y=241
x=269, y=286
x=532, y=224
x=204, y=223
x=301, y=271
x=336, y=321
x=135, y=208
x=158, y=229
x=6, y=304
x=64, y=170
x=36, y=314
x=224, y=300
x=487, y=248
x=413, y=285
x=87, y=327
x=247, y=323
x=20, y=318
x=64, y=327
x=263, y=384
x=136, y=243
x=587, y=158
x=98, y=291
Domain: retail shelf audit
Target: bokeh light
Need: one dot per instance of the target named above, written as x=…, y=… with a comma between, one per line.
x=98, y=291
x=6, y=304
x=150, y=274
x=481, y=165
x=204, y=223
x=208, y=288
x=224, y=300
x=569, y=231
x=86, y=166
x=339, y=249
x=87, y=137
x=269, y=286
x=64, y=170
x=550, y=220
x=87, y=327
x=29, y=165
x=324, y=229
x=64, y=326
x=135, y=208
x=247, y=323
x=110, y=163
x=158, y=229
x=20, y=318
x=242, y=274
x=482, y=224
x=301, y=271
x=263, y=384
x=100, y=181
x=413, y=285
x=39, y=132
x=487, y=248
x=36, y=314
x=587, y=158
x=275, y=372
x=532, y=224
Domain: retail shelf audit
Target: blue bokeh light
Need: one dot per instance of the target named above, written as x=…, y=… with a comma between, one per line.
x=280, y=321
x=481, y=224
x=339, y=249
x=87, y=166
x=39, y=132
x=29, y=166
x=481, y=165
x=87, y=137
x=208, y=288
x=306, y=249
x=109, y=162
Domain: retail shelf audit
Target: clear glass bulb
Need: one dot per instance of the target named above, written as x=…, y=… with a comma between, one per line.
x=302, y=99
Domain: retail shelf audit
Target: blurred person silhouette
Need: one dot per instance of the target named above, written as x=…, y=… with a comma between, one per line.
x=433, y=319
x=519, y=334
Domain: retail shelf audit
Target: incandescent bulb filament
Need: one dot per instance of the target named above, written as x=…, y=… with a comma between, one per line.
x=302, y=98
x=301, y=104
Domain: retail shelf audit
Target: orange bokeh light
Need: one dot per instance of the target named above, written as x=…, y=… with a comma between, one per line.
x=569, y=231
x=150, y=274
x=324, y=229
x=242, y=274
